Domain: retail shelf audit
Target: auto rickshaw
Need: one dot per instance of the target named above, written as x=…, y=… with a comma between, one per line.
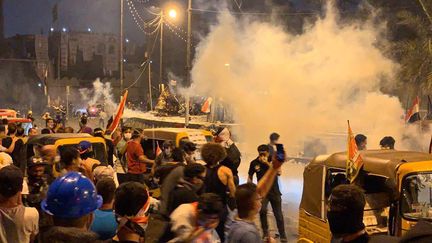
x=397, y=186
x=62, y=140
x=157, y=136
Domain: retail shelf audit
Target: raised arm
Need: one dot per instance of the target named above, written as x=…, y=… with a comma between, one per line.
x=266, y=182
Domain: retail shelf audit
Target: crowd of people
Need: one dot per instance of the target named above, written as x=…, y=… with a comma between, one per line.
x=114, y=200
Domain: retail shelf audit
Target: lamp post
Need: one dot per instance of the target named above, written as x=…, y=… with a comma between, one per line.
x=188, y=60
x=121, y=46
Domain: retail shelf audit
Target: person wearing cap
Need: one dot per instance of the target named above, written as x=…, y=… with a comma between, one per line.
x=132, y=206
x=85, y=149
x=37, y=181
x=17, y=222
x=233, y=155
x=137, y=161
x=70, y=203
x=189, y=149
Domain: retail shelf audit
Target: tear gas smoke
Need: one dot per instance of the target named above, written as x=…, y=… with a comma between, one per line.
x=304, y=87
x=100, y=94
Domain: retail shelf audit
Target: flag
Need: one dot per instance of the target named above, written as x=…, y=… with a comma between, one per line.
x=206, y=106
x=158, y=150
x=119, y=113
x=413, y=114
x=354, y=159
x=54, y=13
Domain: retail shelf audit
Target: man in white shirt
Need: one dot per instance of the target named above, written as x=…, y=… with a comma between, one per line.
x=17, y=222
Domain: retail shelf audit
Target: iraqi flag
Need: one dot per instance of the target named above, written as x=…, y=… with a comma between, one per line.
x=206, y=106
x=413, y=114
x=354, y=159
x=119, y=113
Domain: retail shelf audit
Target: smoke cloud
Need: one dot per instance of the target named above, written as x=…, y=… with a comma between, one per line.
x=305, y=86
x=100, y=94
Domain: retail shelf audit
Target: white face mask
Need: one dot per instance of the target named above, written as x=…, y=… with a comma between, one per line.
x=128, y=135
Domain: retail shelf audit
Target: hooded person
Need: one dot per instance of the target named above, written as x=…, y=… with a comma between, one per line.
x=233, y=158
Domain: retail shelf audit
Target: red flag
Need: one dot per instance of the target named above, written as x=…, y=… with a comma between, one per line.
x=158, y=150
x=413, y=114
x=206, y=106
x=354, y=159
x=119, y=113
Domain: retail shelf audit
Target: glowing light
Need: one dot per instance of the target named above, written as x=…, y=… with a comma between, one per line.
x=64, y=29
x=227, y=64
x=39, y=84
x=172, y=13
x=51, y=29
x=127, y=40
x=89, y=29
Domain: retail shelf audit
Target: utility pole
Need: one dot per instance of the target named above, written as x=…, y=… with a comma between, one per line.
x=150, y=86
x=188, y=60
x=121, y=46
x=161, y=48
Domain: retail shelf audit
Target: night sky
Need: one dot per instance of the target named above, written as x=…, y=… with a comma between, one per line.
x=32, y=16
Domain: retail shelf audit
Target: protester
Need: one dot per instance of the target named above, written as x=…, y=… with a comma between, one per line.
x=85, y=149
x=196, y=222
x=345, y=214
x=70, y=203
x=166, y=155
x=189, y=149
x=17, y=223
x=132, y=206
x=46, y=131
x=33, y=132
x=121, y=145
x=4, y=145
x=248, y=198
x=274, y=139
x=137, y=161
x=37, y=181
x=17, y=153
x=104, y=223
x=50, y=125
x=83, y=126
x=233, y=155
x=260, y=166
x=387, y=142
x=188, y=187
x=361, y=141
x=98, y=132
x=219, y=180
x=71, y=161
x=69, y=130
x=3, y=131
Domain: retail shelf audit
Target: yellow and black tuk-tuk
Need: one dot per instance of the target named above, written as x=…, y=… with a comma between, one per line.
x=397, y=186
x=62, y=140
x=154, y=137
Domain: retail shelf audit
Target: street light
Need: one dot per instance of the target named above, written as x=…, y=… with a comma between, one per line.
x=89, y=29
x=172, y=13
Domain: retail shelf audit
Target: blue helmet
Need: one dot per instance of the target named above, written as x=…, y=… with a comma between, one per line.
x=71, y=196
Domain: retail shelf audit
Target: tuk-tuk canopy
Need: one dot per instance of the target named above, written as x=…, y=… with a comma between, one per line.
x=169, y=134
x=47, y=139
x=379, y=162
x=382, y=163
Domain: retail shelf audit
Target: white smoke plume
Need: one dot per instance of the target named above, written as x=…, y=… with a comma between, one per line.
x=302, y=86
x=101, y=93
